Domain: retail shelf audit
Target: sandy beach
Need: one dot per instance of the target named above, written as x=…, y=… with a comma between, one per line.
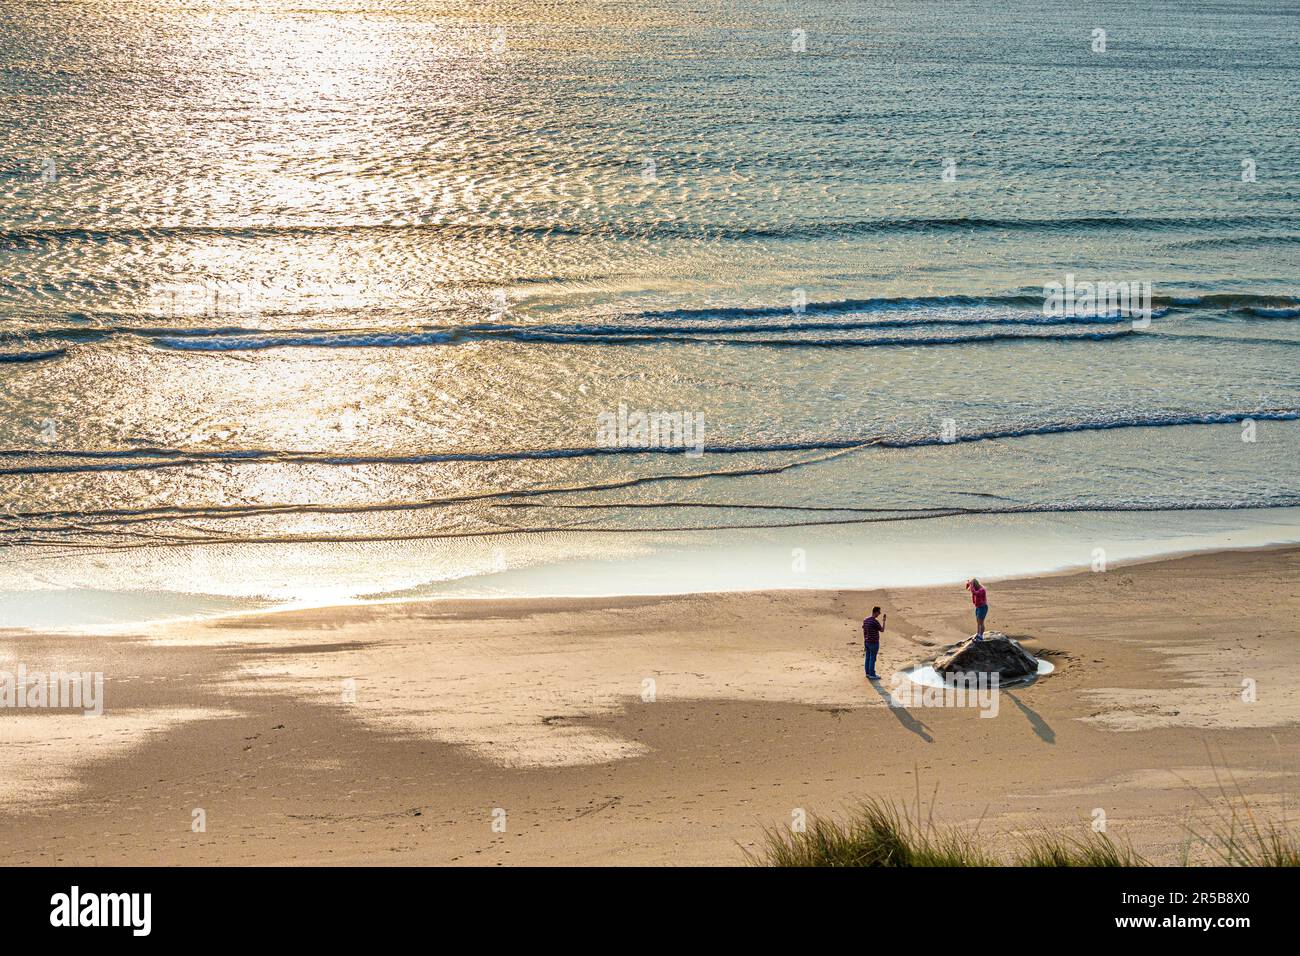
x=663, y=730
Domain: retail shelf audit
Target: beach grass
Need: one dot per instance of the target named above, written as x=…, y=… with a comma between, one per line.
x=877, y=834
x=1251, y=843
x=1239, y=835
x=885, y=834
x=1091, y=849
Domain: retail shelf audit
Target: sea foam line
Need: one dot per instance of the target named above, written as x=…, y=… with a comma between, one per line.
x=92, y=460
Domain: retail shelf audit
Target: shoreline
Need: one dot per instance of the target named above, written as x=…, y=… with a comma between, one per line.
x=756, y=706
x=370, y=602
x=539, y=571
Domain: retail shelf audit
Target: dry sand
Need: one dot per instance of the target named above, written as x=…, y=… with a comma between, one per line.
x=666, y=730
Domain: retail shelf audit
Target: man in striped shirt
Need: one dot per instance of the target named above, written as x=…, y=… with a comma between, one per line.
x=871, y=630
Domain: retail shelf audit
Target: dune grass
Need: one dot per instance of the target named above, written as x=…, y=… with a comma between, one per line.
x=1091, y=849
x=1237, y=835
x=1257, y=844
x=878, y=834
x=883, y=834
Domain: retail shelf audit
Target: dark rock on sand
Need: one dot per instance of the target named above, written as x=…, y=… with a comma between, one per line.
x=997, y=653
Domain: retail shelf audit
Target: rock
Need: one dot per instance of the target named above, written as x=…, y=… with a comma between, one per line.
x=997, y=653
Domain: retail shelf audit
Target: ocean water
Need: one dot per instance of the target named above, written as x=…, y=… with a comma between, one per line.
x=336, y=301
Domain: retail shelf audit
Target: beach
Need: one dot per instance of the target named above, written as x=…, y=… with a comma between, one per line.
x=584, y=436
x=655, y=730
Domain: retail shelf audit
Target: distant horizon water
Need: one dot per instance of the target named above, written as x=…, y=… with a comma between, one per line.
x=443, y=299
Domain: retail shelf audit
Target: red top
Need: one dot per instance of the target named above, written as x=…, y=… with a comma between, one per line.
x=979, y=596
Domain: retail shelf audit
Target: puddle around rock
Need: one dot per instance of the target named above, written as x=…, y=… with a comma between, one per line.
x=927, y=676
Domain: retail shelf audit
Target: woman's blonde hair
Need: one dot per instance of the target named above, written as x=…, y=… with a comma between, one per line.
x=974, y=583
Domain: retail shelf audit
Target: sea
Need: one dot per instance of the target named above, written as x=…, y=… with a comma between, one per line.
x=350, y=300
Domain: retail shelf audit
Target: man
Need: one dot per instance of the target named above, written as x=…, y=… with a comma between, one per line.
x=871, y=630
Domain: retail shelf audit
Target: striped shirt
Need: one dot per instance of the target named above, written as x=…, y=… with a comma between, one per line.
x=871, y=629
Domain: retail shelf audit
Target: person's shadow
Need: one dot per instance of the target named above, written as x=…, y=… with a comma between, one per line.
x=1046, y=733
x=902, y=714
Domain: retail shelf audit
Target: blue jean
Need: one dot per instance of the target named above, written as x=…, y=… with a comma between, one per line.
x=872, y=651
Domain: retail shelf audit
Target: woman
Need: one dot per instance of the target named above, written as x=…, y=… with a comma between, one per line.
x=980, y=598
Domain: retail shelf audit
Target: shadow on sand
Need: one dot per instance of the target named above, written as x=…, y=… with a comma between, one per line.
x=902, y=714
x=1045, y=733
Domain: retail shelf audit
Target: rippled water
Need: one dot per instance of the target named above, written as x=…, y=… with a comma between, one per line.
x=372, y=272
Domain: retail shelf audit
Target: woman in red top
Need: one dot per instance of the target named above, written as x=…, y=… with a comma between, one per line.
x=980, y=598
